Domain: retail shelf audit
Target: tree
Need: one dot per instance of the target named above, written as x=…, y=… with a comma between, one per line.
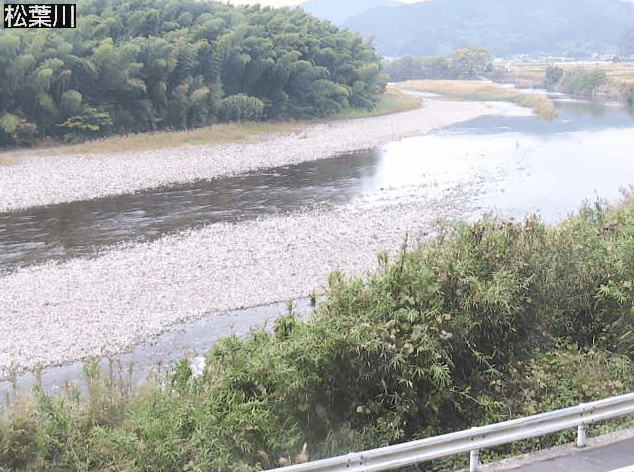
x=136, y=65
x=470, y=62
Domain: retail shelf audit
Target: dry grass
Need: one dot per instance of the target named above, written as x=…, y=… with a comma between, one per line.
x=214, y=134
x=392, y=101
x=622, y=72
x=486, y=91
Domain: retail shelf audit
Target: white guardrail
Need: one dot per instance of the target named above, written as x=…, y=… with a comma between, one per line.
x=471, y=440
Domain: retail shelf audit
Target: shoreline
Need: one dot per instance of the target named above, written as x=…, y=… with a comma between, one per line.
x=38, y=179
x=57, y=313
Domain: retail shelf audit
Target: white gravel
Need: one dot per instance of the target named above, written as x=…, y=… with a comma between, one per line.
x=60, y=312
x=54, y=313
x=39, y=179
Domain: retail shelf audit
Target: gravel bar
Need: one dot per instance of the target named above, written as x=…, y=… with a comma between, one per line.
x=39, y=179
x=60, y=312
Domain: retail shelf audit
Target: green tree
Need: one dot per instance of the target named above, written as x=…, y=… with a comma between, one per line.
x=470, y=62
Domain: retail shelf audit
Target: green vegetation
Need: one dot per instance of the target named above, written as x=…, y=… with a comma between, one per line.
x=391, y=101
x=487, y=321
x=466, y=63
x=486, y=91
x=611, y=80
x=599, y=82
x=139, y=65
x=582, y=82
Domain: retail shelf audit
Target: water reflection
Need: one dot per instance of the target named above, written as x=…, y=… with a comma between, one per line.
x=79, y=229
x=574, y=115
x=515, y=164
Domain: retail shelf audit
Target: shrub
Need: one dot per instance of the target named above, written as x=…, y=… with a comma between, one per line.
x=490, y=320
x=239, y=107
x=580, y=81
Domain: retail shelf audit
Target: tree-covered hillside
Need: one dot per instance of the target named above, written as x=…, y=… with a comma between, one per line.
x=339, y=11
x=574, y=28
x=139, y=65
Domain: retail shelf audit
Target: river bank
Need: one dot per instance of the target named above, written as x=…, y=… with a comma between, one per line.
x=40, y=178
x=57, y=313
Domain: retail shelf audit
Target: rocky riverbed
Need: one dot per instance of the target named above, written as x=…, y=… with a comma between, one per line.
x=43, y=179
x=60, y=312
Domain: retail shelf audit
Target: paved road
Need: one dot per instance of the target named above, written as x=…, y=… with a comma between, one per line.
x=603, y=454
x=600, y=459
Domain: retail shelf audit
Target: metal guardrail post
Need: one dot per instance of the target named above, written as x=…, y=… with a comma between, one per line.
x=581, y=431
x=474, y=461
x=581, y=435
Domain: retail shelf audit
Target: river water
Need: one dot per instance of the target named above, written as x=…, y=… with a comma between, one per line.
x=513, y=165
x=516, y=164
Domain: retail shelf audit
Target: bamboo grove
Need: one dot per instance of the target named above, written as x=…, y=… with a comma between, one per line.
x=141, y=65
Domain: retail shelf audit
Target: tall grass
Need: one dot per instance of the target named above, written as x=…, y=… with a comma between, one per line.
x=487, y=321
x=486, y=91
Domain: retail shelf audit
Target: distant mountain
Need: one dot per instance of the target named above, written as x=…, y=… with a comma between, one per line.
x=339, y=11
x=574, y=28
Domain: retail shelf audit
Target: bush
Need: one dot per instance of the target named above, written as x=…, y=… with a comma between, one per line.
x=553, y=76
x=239, y=107
x=488, y=321
x=580, y=81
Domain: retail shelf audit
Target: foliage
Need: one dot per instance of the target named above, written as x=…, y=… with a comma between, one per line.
x=470, y=62
x=609, y=82
x=580, y=81
x=553, y=76
x=239, y=107
x=139, y=65
x=487, y=321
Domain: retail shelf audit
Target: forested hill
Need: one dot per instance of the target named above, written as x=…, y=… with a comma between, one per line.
x=339, y=11
x=138, y=65
x=575, y=28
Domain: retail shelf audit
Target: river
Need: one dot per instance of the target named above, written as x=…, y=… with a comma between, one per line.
x=512, y=165
x=519, y=164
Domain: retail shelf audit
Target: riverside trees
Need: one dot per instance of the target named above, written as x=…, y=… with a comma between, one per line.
x=467, y=63
x=139, y=65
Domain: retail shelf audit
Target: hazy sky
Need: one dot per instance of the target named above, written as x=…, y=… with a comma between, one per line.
x=282, y=3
